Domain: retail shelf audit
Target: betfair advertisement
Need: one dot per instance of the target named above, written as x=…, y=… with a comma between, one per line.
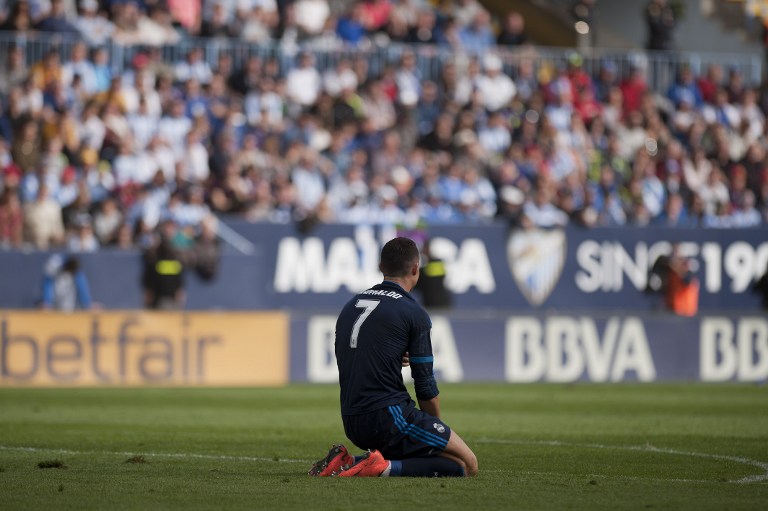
x=141, y=348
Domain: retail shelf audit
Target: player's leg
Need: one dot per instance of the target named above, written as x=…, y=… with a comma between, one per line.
x=458, y=451
x=402, y=441
x=424, y=446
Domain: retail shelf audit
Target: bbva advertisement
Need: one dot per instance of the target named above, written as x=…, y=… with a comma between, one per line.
x=565, y=348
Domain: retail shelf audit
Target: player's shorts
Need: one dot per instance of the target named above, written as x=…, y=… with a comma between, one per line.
x=398, y=431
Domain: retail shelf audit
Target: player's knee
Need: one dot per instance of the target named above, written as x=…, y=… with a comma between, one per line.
x=470, y=465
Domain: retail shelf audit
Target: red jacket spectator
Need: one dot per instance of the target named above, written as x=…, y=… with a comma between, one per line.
x=632, y=89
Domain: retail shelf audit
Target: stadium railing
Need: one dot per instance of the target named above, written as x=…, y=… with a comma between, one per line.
x=660, y=67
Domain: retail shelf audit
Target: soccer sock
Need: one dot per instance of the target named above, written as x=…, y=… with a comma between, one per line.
x=433, y=466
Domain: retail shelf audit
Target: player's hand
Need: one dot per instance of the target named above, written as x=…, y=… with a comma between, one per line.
x=406, y=360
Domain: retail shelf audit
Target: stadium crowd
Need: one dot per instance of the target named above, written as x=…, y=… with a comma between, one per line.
x=95, y=154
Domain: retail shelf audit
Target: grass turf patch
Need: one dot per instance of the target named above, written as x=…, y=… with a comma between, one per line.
x=539, y=447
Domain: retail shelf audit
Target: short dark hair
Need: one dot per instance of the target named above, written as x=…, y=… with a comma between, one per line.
x=397, y=257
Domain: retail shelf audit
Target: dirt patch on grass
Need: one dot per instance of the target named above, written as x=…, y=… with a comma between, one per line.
x=52, y=464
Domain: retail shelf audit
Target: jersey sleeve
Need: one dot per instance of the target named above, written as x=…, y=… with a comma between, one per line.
x=421, y=358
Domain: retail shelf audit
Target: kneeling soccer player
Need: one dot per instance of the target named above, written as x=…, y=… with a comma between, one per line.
x=378, y=332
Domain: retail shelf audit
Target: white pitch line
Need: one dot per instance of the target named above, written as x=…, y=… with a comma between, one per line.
x=604, y=476
x=154, y=454
x=649, y=448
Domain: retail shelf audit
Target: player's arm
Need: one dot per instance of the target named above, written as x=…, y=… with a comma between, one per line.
x=420, y=358
x=431, y=406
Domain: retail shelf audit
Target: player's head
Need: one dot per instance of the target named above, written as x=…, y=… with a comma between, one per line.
x=400, y=258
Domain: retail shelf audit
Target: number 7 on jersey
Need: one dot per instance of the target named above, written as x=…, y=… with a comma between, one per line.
x=368, y=306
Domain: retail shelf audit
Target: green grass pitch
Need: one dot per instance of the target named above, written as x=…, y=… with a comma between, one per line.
x=539, y=447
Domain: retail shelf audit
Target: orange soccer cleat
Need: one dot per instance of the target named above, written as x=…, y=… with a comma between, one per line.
x=372, y=464
x=336, y=458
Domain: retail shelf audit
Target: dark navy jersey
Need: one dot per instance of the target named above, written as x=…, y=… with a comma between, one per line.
x=373, y=332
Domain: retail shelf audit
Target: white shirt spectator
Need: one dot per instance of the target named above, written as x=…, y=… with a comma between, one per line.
x=95, y=29
x=84, y=241
x=653, y=194
x=302, y=85
x=559, y=116
x=310, y=187
x=195, y=161
x=132, y=97
x=495, y=139
x=311, y=15
x=127, y=169
x=545, y=215
x=713, y=193
x=146, y=168
x=408, y=85
x=726, y=114
x=92, y=132
x=84, y=69
x=497, y=89
x=174, y=131
x=143, y=128
x=164, y=159
x=336, y=80
x=198, y=69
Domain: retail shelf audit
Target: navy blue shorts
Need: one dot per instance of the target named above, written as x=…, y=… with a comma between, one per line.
x=399, y=431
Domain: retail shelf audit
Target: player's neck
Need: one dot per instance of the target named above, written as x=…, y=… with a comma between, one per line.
x=400, y=281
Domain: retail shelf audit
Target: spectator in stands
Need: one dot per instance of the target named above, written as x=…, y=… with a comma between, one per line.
x=218, y=23
x=477, y=37
x=495, y=87
x=311, y=16
x=194, y=67
x=408, y=79
x=43, y=224
x=376, y=13
x=745, y=214
x=661, y=22
x=94, y=27
x=685, y=89
x=350, y=28
x=81, y=238
x=57, y=20
x=539, y=209
x=20, y=18
x=79, y=65
x=65, y=286
x=13, y=69
x=107, y=222
x=26, y=150
x=303, y=83
x=187, y=13
x=513, y=30
x=11, y=218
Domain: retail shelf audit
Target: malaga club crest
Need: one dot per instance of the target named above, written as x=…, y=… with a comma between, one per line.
x=536, y=260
